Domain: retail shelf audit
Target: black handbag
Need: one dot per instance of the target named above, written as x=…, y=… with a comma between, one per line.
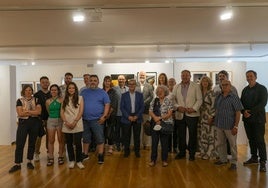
x=167, y=128
x=148, y=128
x=41, y=128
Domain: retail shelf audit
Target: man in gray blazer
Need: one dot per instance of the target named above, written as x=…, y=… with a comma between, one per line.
x=120, y=89
x=148, y=95
x=188, y=99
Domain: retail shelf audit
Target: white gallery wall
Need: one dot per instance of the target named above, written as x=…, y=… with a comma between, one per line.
x=14, y=75
x=8, y=123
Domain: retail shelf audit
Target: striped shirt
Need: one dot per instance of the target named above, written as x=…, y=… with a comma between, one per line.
x=226, y=108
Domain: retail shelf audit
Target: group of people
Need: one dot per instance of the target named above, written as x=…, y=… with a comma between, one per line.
x=109, y=114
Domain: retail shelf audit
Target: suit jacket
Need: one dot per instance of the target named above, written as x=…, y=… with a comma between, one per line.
x=148, y=95
x=119, y=94
x=126, y=107
x=193, y=99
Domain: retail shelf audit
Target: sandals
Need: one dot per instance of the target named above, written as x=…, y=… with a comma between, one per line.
x=50, y=161
x=61, y=160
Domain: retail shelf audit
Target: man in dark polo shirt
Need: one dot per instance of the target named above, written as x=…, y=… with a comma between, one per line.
x=42, y=95
x=254, y=100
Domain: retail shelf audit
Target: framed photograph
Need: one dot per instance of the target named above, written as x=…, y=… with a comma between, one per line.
x=215, y=77
x=37, y=86
x=115, y=76
x=79, y=81
x=197, y=75
x=151, y=77
x=23, y=83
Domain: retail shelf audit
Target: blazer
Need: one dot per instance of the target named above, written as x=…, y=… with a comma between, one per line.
x=193, y=100
x=119, y=94
x=125, y=107
x=148, y=95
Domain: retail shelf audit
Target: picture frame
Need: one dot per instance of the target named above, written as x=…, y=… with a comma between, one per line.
x=23, y=83
x=79, y=81
x=37, y=86
x=115, y=78
x=197, y=75
x=215, y=78
x=150, y=77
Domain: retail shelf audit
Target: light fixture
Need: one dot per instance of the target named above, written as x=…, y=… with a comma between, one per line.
x=229, y=61
x=112, y=49
x=147, y=61
x=33, y=63
x=79, y=16
x=227, y=13
x=158, y=48
x=99, y=62
x=95, y=15
x=250, y=46
x=187, y=47
x=167, y=61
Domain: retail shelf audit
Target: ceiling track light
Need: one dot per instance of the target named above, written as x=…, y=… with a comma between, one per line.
x=158, y=48
x=112, y=49
x=187, y=47
x=250, y=46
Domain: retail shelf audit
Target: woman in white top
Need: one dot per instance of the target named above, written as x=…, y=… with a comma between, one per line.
x=71, y=113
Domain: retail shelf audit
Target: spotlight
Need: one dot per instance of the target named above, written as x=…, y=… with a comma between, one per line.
x=112, y=49
x=227, y=13
x=79, y=16
x=99, y=62
x=147, y=61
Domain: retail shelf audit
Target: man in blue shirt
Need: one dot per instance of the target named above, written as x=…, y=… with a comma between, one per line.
x=228, y=110
x=96, y=108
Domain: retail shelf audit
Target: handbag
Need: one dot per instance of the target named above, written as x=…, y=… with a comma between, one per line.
x=167, y=128
x=41, y=128
x=110, y=126
x=148, y=127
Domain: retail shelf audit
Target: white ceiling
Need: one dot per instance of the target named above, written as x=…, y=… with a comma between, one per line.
x=177, y=30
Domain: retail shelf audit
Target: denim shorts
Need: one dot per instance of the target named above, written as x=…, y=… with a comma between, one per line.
x=92, y=126
x=53, y=123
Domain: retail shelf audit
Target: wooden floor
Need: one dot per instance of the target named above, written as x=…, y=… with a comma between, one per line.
x=119, y=172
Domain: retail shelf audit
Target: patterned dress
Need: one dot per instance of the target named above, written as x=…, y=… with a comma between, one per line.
x=207, y=136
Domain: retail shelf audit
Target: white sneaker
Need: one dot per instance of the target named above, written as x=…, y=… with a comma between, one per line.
x=71, y=164
x=80, y=165
x=36, y=157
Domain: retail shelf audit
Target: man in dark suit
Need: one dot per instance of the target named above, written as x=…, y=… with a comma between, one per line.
x=132, y=107
x=148, y=95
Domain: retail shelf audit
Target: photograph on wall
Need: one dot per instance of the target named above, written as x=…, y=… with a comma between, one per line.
x=37, y=86
x=23, y=83
x=215, y=77
x=79, y=81
x=151, y=78
x=197, y=75
x=115, y=76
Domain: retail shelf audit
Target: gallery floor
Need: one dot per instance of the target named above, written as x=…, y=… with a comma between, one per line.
x=120, y=172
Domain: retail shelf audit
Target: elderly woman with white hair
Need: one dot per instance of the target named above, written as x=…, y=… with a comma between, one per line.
x=160, y=110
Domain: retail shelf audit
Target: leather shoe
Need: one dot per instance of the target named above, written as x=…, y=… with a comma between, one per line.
x=251, y=161
x=191, y=158
x=180, y=156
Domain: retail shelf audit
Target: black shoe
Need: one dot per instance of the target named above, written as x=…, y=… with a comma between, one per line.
x=180, y=156
x=233, y=167
x=126, y=154
x=30, y=165
x=84, y=157
x=138, y=155
x=14, y=168
x=118, y=148
x=100, y=159
x=191, y=158
x=251, y=161
x=262, y=167
x=219, y=163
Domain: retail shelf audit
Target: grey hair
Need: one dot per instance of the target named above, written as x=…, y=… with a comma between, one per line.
x=165, y=88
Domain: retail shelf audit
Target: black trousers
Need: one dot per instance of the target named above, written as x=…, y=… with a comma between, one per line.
x=191, y=123
x=27, y=127
x=156, y=136
x=127, y=136
x=255, y=133
x=74, y=139
x=118, y=131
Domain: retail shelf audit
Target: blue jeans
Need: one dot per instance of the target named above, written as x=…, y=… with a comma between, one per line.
x=97, y=130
